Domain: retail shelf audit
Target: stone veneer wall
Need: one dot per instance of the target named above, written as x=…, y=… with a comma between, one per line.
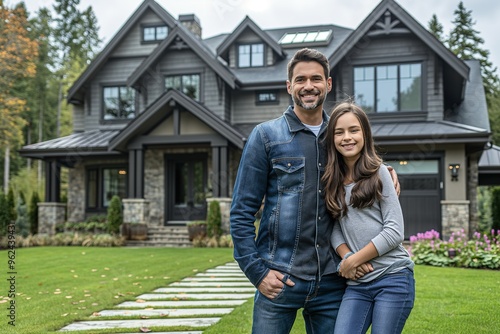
x=135, y=210
x=76, y=194
x=455, y=217
x=49, y=215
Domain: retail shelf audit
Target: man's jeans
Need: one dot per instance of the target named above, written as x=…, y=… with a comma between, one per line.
x=385, y=303
x=321, y=304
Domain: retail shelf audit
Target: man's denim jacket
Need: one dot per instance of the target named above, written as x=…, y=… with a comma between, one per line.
x=282, y=163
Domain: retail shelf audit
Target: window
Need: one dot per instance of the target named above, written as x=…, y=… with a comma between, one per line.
x=189, y=84
x=119, y=103
x=389, y=88
x=267, y=97
x=103, y=183
x=251, y=55
x=154, y=33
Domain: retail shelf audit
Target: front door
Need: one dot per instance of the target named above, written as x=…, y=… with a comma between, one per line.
x=186, y=185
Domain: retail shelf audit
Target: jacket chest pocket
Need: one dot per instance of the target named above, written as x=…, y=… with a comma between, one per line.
x=290, y=174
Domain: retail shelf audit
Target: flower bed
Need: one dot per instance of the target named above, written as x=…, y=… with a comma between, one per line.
x=481, y=251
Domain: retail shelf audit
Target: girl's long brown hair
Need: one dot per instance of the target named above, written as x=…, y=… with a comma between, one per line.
x=368, y=187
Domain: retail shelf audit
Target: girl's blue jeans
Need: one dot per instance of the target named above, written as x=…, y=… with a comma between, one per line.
x=384, y=303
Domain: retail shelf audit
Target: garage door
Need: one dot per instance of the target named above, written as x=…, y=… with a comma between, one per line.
x=420, y=194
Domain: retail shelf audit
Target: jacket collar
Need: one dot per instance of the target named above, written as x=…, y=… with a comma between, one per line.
x=294, y=123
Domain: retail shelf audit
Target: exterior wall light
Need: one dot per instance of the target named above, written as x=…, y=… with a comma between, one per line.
x=454, y=171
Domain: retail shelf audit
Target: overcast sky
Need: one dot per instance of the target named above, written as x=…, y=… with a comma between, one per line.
x=222, y=16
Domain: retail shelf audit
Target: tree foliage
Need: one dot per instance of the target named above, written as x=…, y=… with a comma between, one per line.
x=436, y=28
x=465, y=41
x=18, y=53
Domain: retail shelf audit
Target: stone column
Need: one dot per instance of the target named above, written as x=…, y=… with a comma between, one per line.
x=49, y=215
x=135, y=210
x=455, y=217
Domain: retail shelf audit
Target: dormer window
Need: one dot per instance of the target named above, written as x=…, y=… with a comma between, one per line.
x=251, y=55
x=154, y=33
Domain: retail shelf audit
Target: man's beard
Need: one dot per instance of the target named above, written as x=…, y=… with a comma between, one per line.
x=309, y=106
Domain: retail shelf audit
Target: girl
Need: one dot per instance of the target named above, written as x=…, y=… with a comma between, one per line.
x=361, y=196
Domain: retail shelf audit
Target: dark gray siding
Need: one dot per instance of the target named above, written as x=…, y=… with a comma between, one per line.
x=132, y=46
x=115, y=72
x=183, y=62
x=245, y=110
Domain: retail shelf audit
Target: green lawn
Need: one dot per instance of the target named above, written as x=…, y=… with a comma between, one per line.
x=58, y=285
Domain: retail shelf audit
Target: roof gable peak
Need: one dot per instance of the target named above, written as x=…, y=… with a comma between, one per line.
x=248, y=23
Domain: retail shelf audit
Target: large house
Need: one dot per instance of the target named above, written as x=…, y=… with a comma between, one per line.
x=161, y=116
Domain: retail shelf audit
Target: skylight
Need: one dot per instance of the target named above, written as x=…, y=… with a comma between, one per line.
x=306, y=37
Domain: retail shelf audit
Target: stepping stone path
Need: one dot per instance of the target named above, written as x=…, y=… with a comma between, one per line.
x=195, y=302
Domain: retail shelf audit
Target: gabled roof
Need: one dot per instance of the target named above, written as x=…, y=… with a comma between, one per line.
x=103, y=56
x=195, y=44
x=460, y=71
x=155, y=113
x=248, y=23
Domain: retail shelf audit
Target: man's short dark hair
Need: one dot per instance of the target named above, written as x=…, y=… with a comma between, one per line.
x=308, y=55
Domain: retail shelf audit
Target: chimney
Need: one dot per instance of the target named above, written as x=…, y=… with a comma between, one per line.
x=191, y=22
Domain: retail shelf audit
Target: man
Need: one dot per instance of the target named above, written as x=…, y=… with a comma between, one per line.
x=290, y=262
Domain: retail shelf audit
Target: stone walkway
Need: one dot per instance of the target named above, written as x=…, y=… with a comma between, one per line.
x=196, y=302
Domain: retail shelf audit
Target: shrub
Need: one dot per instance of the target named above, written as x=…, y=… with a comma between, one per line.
x=223, y=241
x=22, y=222
x=214, y=220
x=115, y=217
x=67, y=239
x=33, y=212
x=481, y=251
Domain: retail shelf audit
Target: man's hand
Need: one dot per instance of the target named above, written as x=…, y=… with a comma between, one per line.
x=273, y=283
x=395, y=180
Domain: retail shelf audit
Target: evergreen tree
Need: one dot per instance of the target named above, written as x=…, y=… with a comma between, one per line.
x=76, y=38
x=436, y=28
x=33, y=213
x=214, y=220
x=4, y=214
x=115, y=216
x=22, y=223
x=11, y=206
x=466, y=43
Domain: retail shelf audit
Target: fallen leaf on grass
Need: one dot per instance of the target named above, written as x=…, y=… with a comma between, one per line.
x=145, y=330
x=96, y=314
x=140, y=301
